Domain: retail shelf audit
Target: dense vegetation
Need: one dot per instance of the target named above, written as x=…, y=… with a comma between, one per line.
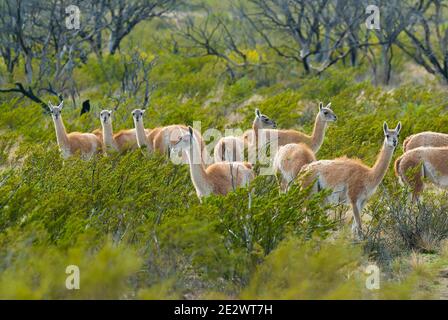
x=134, y=225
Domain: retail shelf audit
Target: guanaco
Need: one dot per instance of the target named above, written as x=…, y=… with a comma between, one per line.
x=145, y=137
x=291, y=157
x=315, y=140
x=433, y=162
x=231, y=148
x=121, y=141
x=425, y=139
x=166, y=137
x=87, y=144
x=349, y=179
x=219, y=178
x=288, y=161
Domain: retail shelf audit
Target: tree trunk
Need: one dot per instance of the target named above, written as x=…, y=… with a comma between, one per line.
x=113, y=43
x=386, y=57
x=29, y=68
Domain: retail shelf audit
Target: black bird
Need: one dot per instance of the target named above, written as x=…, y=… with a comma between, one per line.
x=85, y=106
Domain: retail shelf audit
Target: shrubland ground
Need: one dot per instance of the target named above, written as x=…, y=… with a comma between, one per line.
x=134, y=225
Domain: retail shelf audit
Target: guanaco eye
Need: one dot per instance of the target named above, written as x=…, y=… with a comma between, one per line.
x=325, y=112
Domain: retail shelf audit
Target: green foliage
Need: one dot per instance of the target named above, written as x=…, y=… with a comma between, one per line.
x=401, y=226
x=39, y=271
x=308, y=270
x=134, y=225
x=271, y=215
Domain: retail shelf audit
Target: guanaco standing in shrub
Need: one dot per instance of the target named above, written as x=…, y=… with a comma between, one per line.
x=291, y=157
x=288, y=161
x=121, y=141
x=145, y=137
x=219, y=178
x=161, y=138
x=349, y=179
x=421, y=163
x=425, y=139
x=315, y=140
x=87, y=144
x=166, y=137
x=231, y=148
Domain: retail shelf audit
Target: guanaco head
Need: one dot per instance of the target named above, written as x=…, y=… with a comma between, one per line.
x=391, y=136
x=105, y=116
x=137, y=114
x=262, y=121
x=55, y=110
x=184, y=141
x=326, y=114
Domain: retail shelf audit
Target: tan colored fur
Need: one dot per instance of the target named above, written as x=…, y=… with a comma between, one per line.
x=350, y=180
x=125, y=140
x=434, y=168
x=152, y=134
x=283, y=137
x=288, y=161
x=165, y=137
x=98, y=133
x=219, y=178
x=425, y=139
x=122, y=141
x=86, y=144
x=231, y=148
x=144, y=137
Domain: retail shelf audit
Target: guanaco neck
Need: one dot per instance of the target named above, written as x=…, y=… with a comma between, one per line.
x=255, y=128
x=142, y=139
x=317, y=137
x=61, y=134
x=199, y=176
x=381, y=165
x=108, y=138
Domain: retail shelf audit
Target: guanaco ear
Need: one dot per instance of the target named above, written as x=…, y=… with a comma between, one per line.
x=50, y=106
x=321, y=105
x=398, y=128
x=61, y=105
x=385, y=127
x=328, y=105
x=143, y=111
x=190, y=129
x=257, y=112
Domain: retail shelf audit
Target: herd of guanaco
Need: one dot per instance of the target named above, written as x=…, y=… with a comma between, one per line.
x=350, y=181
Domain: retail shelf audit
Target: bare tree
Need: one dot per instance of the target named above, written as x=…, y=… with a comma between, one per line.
x=395, y=17
x=136, y=75
x=221, y=35
x=428, y=36
x=124, y=15
x=305, y=30
x=34, y=33
x=9, y=46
